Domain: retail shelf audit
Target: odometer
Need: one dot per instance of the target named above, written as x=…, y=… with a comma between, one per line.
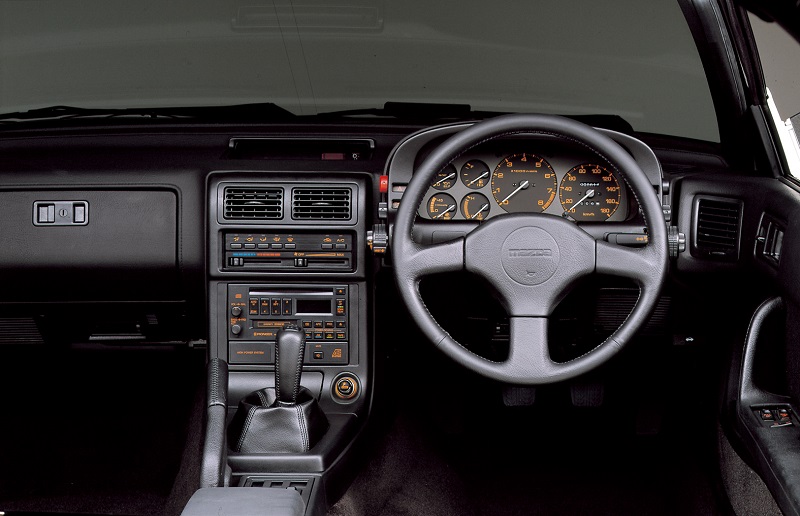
x=524, y=183
x=589, y=192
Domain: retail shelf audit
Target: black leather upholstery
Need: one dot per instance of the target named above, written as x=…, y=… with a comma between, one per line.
x=245, y=501
x=262, y=425
x=214, y=464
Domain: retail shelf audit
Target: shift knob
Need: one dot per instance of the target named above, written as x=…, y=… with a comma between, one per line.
x=290, y=348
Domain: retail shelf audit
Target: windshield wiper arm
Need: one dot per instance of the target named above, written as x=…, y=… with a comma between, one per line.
x=250, y=112
x=415, y=111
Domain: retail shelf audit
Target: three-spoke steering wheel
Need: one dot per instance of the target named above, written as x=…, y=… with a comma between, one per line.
x=531, y=260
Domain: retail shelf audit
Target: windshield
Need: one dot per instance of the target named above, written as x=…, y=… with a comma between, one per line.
x=629, y=58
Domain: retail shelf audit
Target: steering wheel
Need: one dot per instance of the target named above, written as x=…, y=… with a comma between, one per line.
x=530, y=260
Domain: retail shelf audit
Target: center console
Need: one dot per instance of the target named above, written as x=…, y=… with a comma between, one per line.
x=286, y=251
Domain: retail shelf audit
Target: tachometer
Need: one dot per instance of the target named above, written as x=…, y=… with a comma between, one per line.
x=524, y=183
x=589, y=192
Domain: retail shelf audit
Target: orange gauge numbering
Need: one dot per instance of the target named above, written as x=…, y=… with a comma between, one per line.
x=589, y=192
x=524, y=183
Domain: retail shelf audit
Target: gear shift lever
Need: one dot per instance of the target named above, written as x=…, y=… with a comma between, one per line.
x=284, y=419
x=290, y=348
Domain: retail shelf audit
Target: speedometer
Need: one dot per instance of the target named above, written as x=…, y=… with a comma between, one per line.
x=524, y=183
x=589, y=192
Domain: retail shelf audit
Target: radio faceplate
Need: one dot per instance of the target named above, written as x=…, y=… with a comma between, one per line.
x=255, y=314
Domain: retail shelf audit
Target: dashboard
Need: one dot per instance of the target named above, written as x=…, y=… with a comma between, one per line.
x=527, y=177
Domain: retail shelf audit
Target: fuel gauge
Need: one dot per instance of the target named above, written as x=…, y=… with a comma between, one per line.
x=442, y=206
x=475, y=174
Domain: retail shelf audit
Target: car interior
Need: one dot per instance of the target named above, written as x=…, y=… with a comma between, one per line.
x=354, y=258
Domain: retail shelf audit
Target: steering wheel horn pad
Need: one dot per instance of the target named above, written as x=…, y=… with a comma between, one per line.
x=540, y=257
x=531, y=260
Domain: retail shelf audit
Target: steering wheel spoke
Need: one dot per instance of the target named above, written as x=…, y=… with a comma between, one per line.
x=528, y=354
x=639, y=264
x=423, y=260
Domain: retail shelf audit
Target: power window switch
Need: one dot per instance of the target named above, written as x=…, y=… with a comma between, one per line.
x=767, y=415
x=784, y=416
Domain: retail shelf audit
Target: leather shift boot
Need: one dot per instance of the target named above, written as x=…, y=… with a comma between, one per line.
x=263, y=425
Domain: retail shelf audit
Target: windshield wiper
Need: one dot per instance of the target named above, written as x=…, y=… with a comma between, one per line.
x=415, y=111
x=249, y=112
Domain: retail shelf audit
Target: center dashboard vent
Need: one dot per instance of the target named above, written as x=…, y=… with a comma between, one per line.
x=321, y=204
x=717, y=228
x=253, y=203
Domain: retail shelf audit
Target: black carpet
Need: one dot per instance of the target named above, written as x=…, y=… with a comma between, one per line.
x=97, y=431
x=455, y=449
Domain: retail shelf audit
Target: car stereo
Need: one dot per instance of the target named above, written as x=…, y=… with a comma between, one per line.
x=256, y=313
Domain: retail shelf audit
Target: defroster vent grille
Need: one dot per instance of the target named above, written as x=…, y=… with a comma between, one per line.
x=321, y=203
x=717, y=227
x=253, y=203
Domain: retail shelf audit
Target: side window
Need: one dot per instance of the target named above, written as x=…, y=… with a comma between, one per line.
x=780, y=60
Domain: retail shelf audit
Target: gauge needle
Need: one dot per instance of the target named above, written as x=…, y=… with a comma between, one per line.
x=523, y=185
x=589, y=193
x=448, y=210
x=483, y=208
x=451, y=176
x=478, y=179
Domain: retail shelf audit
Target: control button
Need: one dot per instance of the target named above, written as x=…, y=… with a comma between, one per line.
x=249, y=246
x=329, y=335
x=383, y=210
x=329, y=324
x=79, y=214
x=317, y=335
x=263, y=246
x=341, y=324
x=383, y=184
x=236, y=311
x=767, y=415
x=340, y=307
x=340, y=335
x=301, y=262
x=264, y=306
x=340, y=291
x=317, y=324
x=277, y=246
x=309, y=335
x=319, y=355
x=307, y=324
x=783, y=415
x=290, y=246
x=236, y=329
x=345, y=387
x=276, y=306
x=341, y=246
x=236, y=246
x=327, y=246
x=287, y=307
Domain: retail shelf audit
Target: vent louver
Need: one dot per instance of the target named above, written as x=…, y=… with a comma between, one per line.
x=321, y=203
x=253, y=203
x=717, y=228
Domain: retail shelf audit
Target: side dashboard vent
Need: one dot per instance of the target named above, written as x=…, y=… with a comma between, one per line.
x=253, y=203
x=321, y=203
x=717, y=227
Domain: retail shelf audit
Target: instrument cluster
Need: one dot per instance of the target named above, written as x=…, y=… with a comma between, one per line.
x=520, y=177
